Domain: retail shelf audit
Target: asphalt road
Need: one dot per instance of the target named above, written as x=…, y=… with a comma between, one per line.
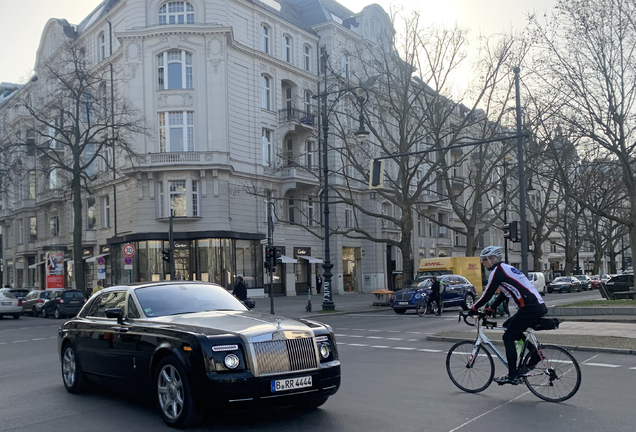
x=393, y=380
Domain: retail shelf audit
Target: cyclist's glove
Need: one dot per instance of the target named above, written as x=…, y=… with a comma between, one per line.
x=472, y=312
x=489, y=311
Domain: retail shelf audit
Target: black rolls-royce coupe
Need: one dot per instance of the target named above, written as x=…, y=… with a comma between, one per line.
x=193, y=346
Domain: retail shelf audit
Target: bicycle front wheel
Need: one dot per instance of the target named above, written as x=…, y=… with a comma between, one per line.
x=470, y=372
x=421, y=307
x=556, y=378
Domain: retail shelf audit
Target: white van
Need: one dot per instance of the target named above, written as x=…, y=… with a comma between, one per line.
x=538, y=280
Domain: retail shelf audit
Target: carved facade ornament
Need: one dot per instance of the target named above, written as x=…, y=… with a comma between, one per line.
x=161, y=41
x=216, y=45
x=215, y=65
x=175, y=100
x=173, y=41
x=188, y=41
x=133, y=51
x=132, y=69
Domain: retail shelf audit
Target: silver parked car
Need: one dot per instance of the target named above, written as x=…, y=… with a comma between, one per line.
x=9, y=305
x=33, y=302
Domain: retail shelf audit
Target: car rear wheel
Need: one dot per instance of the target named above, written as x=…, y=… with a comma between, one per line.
x=34, y=311
x=57, y=313
x=399, y=311
x=45, y=314
x=72, y=375
x=174, y=395
x=16, y=316
x=469, y=300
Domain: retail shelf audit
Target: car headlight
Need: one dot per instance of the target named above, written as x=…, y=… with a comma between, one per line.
x=325, y=351
x=231, y=361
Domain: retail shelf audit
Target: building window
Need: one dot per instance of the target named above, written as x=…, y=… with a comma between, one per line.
x=54, y=224
x=87, y=108
x=195, y=198
x=291, y=209
x=344, y=65
x=289, y=154
x=31, y=184
x=105, y=211
x=311, y=212
x=265, y=39
x=53, y=178
x=287, y=49
x=30, y=142
x=348, y=217
x=308, y=103
x=178, y=197
x=309, y=155
x=174, y=70
x=307, y=58
x=266, y=141
x=443, y=231
x=52, y=135
x=20, y=231
x=419, y=227
x=91, y=213
x=101, y=47
x=33, y=229
x=89, y=153
x=266, y=93
x=176, y=12
x=180, y=130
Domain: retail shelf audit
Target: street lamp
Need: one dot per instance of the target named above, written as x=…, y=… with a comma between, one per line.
x=361, y=135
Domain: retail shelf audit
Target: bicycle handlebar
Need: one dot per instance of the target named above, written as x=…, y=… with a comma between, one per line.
x=480, y=314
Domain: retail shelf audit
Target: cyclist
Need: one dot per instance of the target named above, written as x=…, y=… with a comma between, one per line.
x=436, y=294
x=516, y=286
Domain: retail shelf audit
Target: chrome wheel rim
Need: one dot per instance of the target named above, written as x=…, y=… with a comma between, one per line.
x=69, y=367
x=170, y=392
x=469, y=301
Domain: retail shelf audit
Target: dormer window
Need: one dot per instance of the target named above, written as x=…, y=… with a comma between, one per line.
x=176, y=12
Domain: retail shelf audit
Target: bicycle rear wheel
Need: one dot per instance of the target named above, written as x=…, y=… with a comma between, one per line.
x=421, y=307
x=556, y=378
x=470, y=373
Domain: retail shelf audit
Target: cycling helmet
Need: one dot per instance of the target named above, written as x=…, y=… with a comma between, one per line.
x=490, y=251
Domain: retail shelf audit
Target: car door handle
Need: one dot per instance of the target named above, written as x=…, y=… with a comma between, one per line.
x=121, y=329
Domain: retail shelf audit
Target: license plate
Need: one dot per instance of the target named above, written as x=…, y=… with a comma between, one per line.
x=74, y=302
x=6, y=303
x=403, y=303
x=291, y=384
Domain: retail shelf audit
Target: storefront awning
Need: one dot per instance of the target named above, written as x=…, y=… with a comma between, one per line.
x=311, y=259
x=93, y=259
x=287, y=260
x=32, y=266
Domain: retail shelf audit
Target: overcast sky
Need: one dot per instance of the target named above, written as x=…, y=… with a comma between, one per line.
x=24, y=20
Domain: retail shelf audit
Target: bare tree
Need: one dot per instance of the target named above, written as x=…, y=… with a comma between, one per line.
x=70, y=122
x=587, y=60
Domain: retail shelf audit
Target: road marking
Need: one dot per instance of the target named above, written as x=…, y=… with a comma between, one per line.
x=487, y=412
x=380, y=346
x=18, y=341
x=39, y=339
x=405, y=348
x=395, y=339
x=355, y=336
x=375, y=337
x=634, y=368
x=429, y=350
x=393, y=331
x=376, y=330
x=53, y=337
x=3, y=343
x=360, y=345
x=603, y=365
x=412, y=332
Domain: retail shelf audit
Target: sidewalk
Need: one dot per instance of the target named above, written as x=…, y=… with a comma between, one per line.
x=600, y=333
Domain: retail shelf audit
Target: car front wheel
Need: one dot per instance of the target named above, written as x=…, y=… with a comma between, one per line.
x=34, y=311
x=72, y=375
x=45, y=314
x=399, y=311
x=174, y=395
x=57, y=313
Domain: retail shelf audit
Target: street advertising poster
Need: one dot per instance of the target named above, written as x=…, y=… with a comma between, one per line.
x=54, y=269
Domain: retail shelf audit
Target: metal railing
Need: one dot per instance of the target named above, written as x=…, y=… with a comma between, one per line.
x=295, y=115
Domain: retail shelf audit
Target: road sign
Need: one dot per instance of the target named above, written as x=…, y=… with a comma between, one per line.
x=129, y=250
x=264, y=241
x=101, y=261
x=279, y=240
x=128, y=263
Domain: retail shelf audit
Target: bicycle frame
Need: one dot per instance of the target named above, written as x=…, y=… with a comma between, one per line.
x=483, y=339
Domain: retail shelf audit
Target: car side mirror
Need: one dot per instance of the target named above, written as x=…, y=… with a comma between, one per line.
x=116, y=313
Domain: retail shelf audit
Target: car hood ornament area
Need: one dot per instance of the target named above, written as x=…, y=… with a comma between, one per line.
x=278, y=322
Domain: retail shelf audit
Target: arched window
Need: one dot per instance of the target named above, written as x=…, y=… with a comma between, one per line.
x=174, y=70
x=287, y=48
x=266, y=93
x=176, y=12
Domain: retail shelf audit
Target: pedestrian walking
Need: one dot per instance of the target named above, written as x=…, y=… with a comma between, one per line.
x=436, y=294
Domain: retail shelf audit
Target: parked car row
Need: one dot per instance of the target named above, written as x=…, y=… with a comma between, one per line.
x=56, y=303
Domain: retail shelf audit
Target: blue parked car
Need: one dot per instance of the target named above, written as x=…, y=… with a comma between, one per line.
x=457, y=292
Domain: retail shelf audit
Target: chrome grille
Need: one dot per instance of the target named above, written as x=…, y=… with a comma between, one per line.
x=403, y=296
x=289, y=355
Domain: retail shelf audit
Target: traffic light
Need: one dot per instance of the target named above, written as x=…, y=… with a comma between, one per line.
x=269, y=253
x=165, y=255
x=511, y=231
x=506, y=231
x=279, y=253
x=376, y=174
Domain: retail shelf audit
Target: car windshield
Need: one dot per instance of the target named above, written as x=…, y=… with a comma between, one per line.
x=421, y=283
x=7, y=295
x=581, y=278
x=562, y=279
x=45, y=294
x=166, y=300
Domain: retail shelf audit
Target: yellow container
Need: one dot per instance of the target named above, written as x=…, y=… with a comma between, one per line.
x=468, y=267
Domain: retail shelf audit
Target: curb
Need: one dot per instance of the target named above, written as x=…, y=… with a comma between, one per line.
x=605, y=350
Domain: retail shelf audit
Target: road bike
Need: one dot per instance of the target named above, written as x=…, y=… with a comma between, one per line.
x=555, y=378
x=426, y=306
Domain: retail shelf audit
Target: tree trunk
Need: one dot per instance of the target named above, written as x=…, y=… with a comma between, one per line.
x=612, y=262
x=406, y=246
x=471, y=242
x=78, y=262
